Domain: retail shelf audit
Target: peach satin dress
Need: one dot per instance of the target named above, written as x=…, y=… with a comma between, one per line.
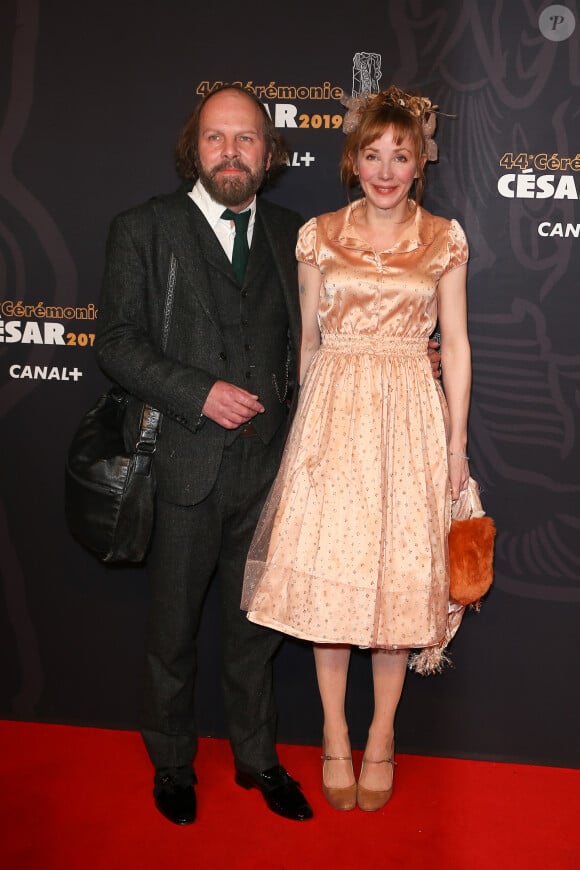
x=351, y=546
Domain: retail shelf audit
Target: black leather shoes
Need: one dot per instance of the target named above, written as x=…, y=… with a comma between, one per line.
x=281, y=792
x=175, y=796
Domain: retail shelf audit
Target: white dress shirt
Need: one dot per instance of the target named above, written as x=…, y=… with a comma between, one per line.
x=212, y=211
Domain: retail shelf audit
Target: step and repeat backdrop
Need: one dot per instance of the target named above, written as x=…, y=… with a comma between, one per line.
x=91, y=100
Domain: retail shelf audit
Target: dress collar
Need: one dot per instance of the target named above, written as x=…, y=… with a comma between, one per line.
x=418, y=232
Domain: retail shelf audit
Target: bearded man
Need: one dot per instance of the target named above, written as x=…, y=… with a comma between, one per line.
x=222, y=386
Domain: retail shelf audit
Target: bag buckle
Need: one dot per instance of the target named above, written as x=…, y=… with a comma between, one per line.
x=147, y=447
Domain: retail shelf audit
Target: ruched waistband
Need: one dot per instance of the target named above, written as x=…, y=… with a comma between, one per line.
x=335, y=342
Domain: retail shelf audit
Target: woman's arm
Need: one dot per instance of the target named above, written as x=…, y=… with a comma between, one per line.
x=309, y=282
x=456, y=362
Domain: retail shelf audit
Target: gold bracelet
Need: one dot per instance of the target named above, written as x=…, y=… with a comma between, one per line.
x=460, y=455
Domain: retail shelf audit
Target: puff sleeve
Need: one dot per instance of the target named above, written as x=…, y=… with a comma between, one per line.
x=306, y=245
x=457, y=246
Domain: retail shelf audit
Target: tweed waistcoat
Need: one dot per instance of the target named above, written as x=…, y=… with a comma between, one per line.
x=254, y=324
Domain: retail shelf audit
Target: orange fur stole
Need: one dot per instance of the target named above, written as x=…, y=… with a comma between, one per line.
x=470, y=559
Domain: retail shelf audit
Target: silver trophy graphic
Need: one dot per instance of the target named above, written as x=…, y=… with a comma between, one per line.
x=366, y=73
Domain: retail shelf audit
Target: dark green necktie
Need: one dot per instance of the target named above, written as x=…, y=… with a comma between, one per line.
x=241, y=248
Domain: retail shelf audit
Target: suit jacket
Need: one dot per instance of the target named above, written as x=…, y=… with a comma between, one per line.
x=177, y=381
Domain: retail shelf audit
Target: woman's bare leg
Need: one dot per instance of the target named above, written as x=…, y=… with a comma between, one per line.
x=331, y=670
x=389, y=669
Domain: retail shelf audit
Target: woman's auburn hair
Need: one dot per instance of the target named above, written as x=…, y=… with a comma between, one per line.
x=374, y=121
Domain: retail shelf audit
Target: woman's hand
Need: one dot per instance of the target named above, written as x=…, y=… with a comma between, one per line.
x=458, y=474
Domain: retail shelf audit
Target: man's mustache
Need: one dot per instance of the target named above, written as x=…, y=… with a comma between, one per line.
x=230, y=164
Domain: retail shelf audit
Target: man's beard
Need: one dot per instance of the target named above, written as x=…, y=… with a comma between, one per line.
x=232, y=191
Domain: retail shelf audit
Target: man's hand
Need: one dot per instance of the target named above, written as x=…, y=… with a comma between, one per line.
x=434, y=357
x=230, y=406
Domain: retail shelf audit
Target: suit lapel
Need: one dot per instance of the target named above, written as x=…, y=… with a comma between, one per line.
x=282, y=248
x=195, y=246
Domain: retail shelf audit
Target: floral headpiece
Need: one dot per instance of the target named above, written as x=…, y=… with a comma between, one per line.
x=417, y=106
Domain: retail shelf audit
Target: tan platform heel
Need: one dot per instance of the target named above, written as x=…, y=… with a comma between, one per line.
x=370, y=800
x=340, y=798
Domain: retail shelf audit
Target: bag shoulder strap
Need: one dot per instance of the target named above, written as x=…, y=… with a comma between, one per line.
x=150, y=417
x=169, y=296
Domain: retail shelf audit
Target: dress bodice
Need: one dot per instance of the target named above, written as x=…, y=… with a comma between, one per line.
x=391, y=292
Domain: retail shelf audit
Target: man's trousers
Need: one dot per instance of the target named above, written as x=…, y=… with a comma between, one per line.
x=189, y=545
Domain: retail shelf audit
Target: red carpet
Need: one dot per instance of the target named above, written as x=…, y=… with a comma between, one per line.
x=81, y=798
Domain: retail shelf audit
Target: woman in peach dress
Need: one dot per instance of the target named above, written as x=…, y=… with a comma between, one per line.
x=351, y=548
